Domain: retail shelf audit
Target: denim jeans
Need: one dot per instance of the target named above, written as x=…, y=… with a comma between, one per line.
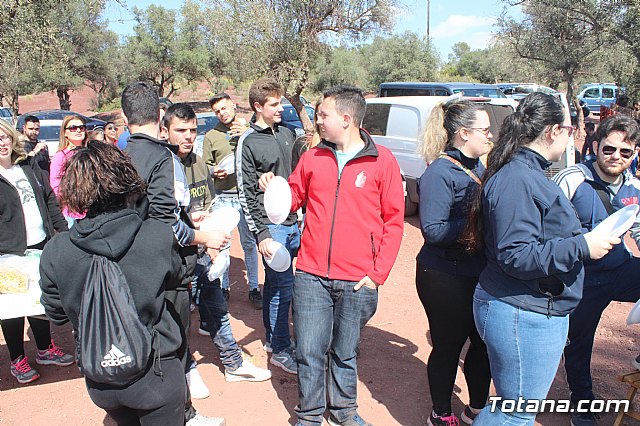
x=600, y=288
x=247, y=240
x=327, y=318
x=524, y=350
x=278, y=289
x=214, y=318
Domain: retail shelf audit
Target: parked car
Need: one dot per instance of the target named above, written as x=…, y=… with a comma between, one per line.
x=519, y=91
x=206, y=122
x=59, y=114
x=439, y=89
x=397, y=123
x=286, y=101
x=6, y=114
x=291, y=119
x=596, y=95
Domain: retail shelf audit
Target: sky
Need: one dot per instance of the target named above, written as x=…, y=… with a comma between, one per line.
x=452, y=21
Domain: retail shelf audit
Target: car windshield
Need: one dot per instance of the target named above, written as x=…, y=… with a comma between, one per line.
x=49, y=132
x=206, y=123
x=481, y=93
x=290, y=114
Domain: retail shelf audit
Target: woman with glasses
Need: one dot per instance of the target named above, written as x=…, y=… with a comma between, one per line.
x=111, y=133
x=534, y=248
x=73, y=134
x=457, y=135
x=29, y=217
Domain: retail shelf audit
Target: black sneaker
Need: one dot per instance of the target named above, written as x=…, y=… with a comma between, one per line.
x=636, y=362
x=255, y=298
x=226, y=294
x=443, y=420
x=583, y=419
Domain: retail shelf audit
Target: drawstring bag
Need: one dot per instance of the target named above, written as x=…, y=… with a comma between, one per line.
x=112, y=346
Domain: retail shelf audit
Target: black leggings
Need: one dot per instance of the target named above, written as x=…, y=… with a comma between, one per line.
x=448, y=302
x=13, y=331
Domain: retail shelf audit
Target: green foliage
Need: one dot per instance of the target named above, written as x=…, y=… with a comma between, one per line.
x=405, y=57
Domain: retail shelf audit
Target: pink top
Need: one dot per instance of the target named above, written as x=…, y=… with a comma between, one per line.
x=57, y=166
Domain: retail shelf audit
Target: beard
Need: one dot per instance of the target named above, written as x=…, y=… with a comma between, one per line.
x=610, y=170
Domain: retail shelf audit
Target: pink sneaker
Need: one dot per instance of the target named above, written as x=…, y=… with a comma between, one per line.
x=54, y=356
x=22, y=371
x=444, y=420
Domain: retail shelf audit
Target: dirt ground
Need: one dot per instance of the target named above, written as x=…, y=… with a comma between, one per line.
x=392, y=390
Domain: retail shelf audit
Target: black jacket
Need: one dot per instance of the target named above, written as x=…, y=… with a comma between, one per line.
x=13, y=231
x=260, y=151
x=160, y=168
x=42, y=157
x=146, y=251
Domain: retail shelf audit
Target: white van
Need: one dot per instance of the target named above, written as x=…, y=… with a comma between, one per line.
x=397, y=123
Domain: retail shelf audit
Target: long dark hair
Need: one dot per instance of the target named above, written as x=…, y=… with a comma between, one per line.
x=532, y=118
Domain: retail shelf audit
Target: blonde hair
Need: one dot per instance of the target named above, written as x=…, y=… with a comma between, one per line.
x=63, y=139
x=445, y=120
x=18, y=153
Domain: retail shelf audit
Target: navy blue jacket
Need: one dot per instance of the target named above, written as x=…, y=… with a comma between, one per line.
x=446, y=192
x=578, y=184
x=533, y=240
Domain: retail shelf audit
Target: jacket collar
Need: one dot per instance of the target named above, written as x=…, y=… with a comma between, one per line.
x=532, y=158
x=142, y=138
x=266, y=130
x=470, y=163
x=189, y=160
x=221, y=127
x=369, y=149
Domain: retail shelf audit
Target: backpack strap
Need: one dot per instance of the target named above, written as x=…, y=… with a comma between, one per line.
x=605, y=196
x=472, y=175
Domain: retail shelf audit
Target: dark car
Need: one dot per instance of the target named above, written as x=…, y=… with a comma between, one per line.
x=59, y=114
x=291, y=120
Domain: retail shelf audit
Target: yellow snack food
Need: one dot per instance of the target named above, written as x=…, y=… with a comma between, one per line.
x=13, y=281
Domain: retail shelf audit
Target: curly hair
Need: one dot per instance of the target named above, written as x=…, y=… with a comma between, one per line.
x=100, y=178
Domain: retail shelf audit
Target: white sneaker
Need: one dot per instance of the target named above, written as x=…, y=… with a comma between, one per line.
x=200, y=420
x=247, y=372
x=203, y=332
x=197, y=387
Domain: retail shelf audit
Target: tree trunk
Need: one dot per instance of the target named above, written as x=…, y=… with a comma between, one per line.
x=307, y=125
x=64, y=97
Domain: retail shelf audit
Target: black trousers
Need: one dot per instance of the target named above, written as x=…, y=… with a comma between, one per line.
x=13, y=331
x=448, y=302
x=152, y=400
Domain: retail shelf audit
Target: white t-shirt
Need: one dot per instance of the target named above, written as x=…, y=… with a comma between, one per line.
x=32, y=218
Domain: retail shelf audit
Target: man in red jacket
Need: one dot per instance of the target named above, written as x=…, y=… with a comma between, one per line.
x=353, y=228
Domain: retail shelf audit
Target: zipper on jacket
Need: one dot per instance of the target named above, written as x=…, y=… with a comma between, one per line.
x=333, y=222
x=373, y=248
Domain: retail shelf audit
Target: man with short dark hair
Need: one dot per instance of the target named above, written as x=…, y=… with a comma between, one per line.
x=266, y=147
x=181, y=126
x=34, y=148
x=598, y=188
x=220, y=144
x=168, y=201
x=353, y=229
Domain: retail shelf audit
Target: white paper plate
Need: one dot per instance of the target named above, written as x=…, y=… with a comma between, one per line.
x=619, y=222
x=222, y=219
x=219, y=265
x=277, y=200
x=281, y=260
x=634, y=314
x=228, y=164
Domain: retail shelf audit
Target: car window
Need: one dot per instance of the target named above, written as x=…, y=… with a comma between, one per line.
x=376, y=119
x=290, y=114
x=592, y=93
x=49, y=132
x=403, y=122
x=441, y=92
x=607, y=93
x=207, y=123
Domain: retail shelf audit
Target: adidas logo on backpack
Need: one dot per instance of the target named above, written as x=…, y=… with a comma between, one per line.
x=115, y=357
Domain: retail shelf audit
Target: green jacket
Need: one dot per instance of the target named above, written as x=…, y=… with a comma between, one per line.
x=215, y=147
x=199, y=180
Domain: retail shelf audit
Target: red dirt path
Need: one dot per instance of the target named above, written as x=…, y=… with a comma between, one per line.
x=393, y=386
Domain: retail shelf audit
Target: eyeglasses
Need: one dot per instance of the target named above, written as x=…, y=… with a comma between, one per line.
x=484, y=130
x=625, y=153
x=75, y=128
x=5, y=138
x=110, y=128
x=570, y=129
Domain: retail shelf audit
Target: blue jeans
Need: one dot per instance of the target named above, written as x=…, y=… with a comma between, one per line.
x=327, y=318
x=600, y=288
x=214, y=317
x=278, y=289
x=524, y=350
x=247, y=240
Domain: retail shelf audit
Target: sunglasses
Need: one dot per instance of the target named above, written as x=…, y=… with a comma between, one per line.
x=570, y=129
x=75, y=128
x=110, y=128
x=625, y=153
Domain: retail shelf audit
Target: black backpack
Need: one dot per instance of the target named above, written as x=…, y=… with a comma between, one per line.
x=112, y=346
